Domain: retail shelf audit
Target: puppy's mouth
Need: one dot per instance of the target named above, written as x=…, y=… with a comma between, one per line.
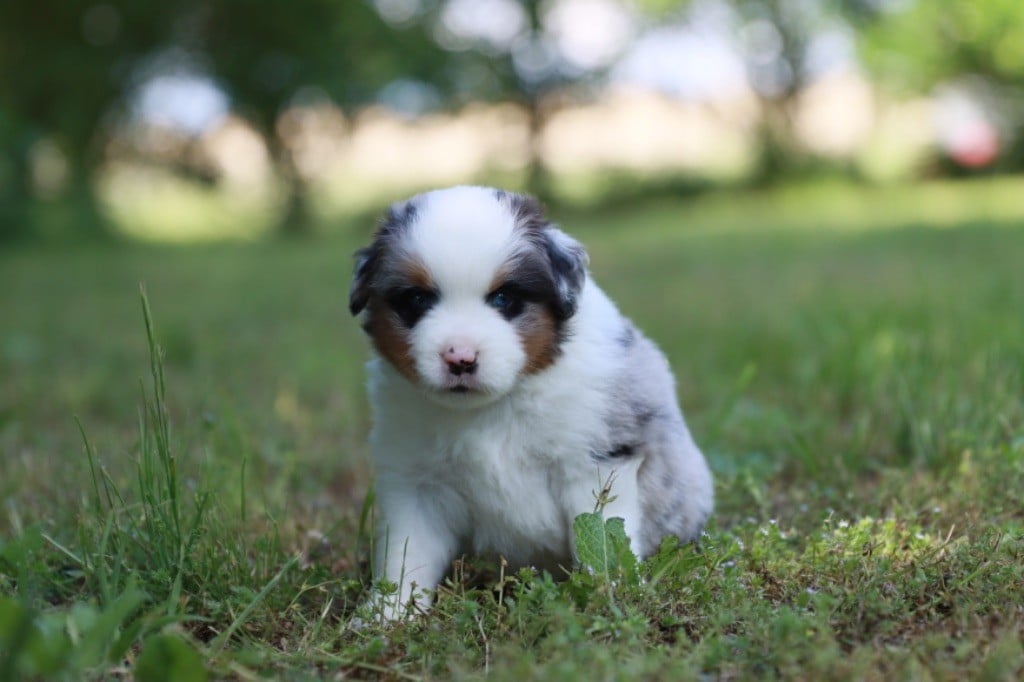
x=465, y=389
x=462, y=392
x=463, y=386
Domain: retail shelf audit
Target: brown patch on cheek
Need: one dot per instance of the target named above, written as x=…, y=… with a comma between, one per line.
x=538, y=333
x=390, y=338
x=387, y=332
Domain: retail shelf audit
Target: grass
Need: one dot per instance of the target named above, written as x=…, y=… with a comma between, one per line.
x=851, y=360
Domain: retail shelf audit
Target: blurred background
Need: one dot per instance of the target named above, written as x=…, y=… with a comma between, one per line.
x=193, y=119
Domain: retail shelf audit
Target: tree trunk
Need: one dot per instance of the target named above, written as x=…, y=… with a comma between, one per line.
x=780, y=155
x=297, y=217
x=538, y=180
x=16, y=196
x=87, y=218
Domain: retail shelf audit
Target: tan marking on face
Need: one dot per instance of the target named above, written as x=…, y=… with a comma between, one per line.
x=539, y=335
x=416, y=273
x=387, y=332
x=390, y=337
x=501, y=276
x=398, y=270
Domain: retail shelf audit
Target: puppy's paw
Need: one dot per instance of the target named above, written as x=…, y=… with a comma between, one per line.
x=387, y=609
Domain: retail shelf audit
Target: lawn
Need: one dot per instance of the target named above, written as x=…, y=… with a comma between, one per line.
x=850, y=359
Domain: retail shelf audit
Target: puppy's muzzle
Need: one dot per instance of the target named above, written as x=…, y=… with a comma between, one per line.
x=461, y=360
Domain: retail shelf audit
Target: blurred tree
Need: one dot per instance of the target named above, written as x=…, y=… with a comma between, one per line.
x=15, y=175
x=530, y=84
x=916, y=46
x=526, y=52
x=64, y=64
x=69, y=68
x=922, y=43
x=776, y=37
x=270, y=56
x=776, y=40
x=527, y=73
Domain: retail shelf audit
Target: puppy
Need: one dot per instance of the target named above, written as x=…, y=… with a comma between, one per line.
x=507, y=390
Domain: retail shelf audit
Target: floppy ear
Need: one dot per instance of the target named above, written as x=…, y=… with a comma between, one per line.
x=568, y=265
x=359, y=293
x=567, y=256
x=395, y=221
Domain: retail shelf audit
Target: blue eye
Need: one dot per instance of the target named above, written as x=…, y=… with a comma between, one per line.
x=506, y=302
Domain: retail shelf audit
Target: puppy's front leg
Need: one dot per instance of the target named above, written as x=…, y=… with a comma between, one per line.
x=415, y=545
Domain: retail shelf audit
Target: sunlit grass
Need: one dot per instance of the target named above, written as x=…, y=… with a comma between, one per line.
x=851, y=360
x=157, y=206
x=150, y=204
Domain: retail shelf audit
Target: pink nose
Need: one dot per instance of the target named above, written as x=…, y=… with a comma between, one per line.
x=460, y=359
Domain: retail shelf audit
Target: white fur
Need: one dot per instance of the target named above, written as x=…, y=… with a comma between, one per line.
x=505, y=471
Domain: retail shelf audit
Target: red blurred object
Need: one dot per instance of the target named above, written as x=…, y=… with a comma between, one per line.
x=975, y=145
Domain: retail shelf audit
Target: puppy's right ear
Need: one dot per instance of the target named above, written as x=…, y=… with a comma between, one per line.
x=397, y=219
x=359, y=294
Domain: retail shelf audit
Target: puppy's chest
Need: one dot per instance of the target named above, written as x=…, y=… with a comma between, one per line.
x=519, y=486
x=503, y=466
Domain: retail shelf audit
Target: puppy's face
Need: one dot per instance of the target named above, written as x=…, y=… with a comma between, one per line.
x=465, y=290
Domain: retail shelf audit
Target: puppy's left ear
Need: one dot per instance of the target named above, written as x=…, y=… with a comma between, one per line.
x=359, y=293
x=567, y=256
x=569, y=265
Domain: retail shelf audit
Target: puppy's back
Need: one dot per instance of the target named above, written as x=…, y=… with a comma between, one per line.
x=676, y=489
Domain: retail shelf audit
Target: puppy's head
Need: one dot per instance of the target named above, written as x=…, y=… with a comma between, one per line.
x=465, y=290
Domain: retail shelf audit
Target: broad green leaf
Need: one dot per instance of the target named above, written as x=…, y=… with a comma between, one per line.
x=15, y=631
x=30, y=643
x=168, y=658
x=592, y=550
x=603, y=548
x=99, y=632
x=625, y=560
